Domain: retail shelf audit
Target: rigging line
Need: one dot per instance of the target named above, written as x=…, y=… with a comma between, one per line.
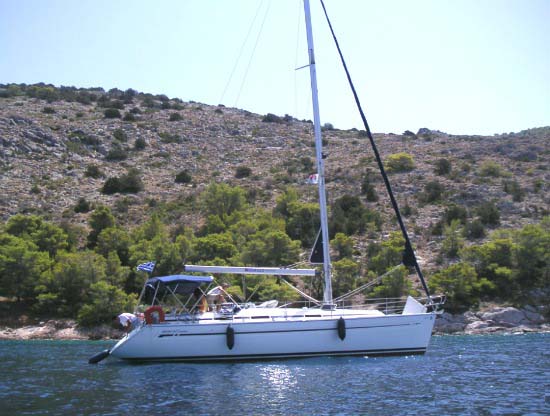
x=305, y=295
x=241, y=51
x=409, y=258
x=366, y=285
x=252, y=54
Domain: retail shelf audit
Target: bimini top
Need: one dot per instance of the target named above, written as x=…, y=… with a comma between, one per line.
x=177, y=283
x=179, y=278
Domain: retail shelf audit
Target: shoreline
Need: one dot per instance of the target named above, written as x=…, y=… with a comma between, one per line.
x=494, y=320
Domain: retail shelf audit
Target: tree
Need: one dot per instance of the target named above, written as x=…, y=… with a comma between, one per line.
x=21, y=265
x=65, y=290
x=214, y=246
x=113, y=239
x=495, y=261
x=393, y=285
x=103, y=302
x=343, y=246
x=48, y=237
x=115, y=273
x=346, y=273
x=452, y=242
x=387, y=254
x=272, y=288
x=270, y=248
x=532, y=255
x=283, y=202
x=223, y=200
x=462, y=286
x=303, y=222
x=348, y=216
x=100, y=219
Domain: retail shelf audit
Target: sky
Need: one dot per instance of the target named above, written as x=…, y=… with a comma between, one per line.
x=459, y=66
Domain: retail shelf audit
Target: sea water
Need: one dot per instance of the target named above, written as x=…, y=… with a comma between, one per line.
x=459, y=375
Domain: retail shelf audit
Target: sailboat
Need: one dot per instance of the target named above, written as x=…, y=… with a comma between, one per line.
x=246, y=331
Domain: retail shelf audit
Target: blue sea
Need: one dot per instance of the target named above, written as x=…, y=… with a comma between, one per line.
x=459, y=375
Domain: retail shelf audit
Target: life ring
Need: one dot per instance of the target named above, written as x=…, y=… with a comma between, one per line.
x=150, y=312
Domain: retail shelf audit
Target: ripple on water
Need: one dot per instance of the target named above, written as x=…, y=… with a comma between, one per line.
x=470, y=375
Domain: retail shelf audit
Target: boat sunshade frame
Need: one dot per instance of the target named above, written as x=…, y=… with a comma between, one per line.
x=178, y=283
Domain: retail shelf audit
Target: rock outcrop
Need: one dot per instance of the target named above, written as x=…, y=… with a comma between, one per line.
x=493, y=320
x=59, y=329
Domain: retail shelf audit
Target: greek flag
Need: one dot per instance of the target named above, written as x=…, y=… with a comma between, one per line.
x=146, y=267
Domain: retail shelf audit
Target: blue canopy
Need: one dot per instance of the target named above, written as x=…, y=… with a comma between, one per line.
x=180, y=278
x=177, y=283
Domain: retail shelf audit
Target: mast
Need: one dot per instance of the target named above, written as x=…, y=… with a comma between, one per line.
x=327, y=294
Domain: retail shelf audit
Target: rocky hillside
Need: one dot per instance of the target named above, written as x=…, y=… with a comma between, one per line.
x=57, y=152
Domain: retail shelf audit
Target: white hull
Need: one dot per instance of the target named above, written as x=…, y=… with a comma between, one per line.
x=278, y=337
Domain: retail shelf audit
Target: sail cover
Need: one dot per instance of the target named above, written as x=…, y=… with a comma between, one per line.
x=178, y=283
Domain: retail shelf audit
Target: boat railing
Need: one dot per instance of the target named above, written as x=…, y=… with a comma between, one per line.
x=384, y=305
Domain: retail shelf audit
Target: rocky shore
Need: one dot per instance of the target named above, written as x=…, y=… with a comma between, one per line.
x=60, y=329
x=494, y=320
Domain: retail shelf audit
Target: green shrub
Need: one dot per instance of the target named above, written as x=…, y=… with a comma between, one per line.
x=48, y=110
x=349, y=216
x=433, y=191
x=453, y=241
x=243, y=172
x=175, y=117
x=120, y=135
x=399, y=162
x=116, y=153
x=126, y=184
x=129, y=117
x=104, y=301
x=272, y=118
x=488, y=213
x=442, y=167
x=166, y=137
x=183, y=177
x=93, y=171
x=82, y=206
x=368, y=189
x=112, y=113
x=474, y=230
x=140, y=144
x=462, y=286
x=490, y=168
x=455, y=212
x=513, y=188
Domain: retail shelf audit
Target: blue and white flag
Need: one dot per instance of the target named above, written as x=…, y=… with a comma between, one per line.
x=146, y=267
